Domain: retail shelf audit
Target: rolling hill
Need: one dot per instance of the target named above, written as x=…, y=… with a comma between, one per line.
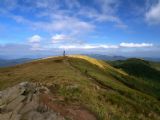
x=109, y=93
x=139, y=68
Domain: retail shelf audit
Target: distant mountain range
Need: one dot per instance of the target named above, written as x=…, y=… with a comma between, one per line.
x=152, y=59
x=12, y=62
x=114, y=58
x=107, y=57
x=4, y=62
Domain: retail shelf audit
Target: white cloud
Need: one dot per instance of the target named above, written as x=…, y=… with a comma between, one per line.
x=87, y=46
x=135, y=45
x=64, y=17
x=59, y=38
x=105, y=46
x=65, y=24
x=72, y=3
x=34, y=42
x=106, y=14
x=35, y=39
x=19, y=19
x=108, y=6
x=153, y=15
x=63, y=20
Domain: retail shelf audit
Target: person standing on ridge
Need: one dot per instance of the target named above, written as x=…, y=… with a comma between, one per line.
x=64, y=53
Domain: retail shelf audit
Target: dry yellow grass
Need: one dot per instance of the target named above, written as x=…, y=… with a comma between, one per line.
x=101, y=64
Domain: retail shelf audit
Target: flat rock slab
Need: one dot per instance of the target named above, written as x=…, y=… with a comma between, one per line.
x=5, y=116
x=29, y=107
x=15, y=103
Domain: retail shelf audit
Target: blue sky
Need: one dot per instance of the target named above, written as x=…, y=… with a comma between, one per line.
x=111, y=27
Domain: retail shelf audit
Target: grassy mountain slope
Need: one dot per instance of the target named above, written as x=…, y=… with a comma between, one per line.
x=156, y=65
x=107, y=92
x=139, y=68
x=144, y=74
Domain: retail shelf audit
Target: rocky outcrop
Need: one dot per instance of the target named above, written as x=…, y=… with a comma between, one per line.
x=22, y=102
x=35, y=101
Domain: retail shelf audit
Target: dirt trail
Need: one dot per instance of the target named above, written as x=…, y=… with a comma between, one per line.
x=72, y=111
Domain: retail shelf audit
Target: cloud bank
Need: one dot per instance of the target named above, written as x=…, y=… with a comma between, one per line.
x=136, y=45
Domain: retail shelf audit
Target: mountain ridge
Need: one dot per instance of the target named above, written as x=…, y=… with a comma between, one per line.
x=108, y=92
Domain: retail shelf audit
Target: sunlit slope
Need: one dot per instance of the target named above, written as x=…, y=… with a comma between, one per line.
x=142, y=84
x=107, y=92
x=99, y=63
